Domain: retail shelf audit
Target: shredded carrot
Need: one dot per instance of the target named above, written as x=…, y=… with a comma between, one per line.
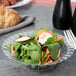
x=47, y=51
x=42, y=31
x=58, y=58
x=48, y=62
x=39, y=34
x=50, y=33
x=46, y=59
x=44, y=34
x=39, y=62
x=59, y=38
x=42, y=55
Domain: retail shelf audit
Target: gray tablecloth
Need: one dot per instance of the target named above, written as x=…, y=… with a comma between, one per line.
x=44, y=19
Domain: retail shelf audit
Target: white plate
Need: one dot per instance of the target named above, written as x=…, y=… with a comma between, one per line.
x=73, y=0
x=19, y=4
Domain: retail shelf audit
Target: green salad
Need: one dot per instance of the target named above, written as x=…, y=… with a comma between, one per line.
x=42, y=47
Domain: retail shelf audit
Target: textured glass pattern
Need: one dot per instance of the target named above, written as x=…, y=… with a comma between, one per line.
x=66, y=52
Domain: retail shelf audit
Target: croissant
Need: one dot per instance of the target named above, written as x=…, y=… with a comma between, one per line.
x=4, y=3
x=8, y=17
x=8, y=2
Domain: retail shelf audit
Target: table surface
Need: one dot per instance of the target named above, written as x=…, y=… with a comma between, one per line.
x=43, y=16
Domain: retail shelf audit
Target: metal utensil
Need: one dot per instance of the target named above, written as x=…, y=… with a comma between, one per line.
x=71, y=39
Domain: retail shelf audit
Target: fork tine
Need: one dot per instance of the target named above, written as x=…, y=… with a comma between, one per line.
x=72, y=35
x=71, y=39
x=74, y=38
x=66, y=37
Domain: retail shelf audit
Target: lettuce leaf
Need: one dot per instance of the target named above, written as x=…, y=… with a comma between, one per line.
x=61, y=42
x=54, y=50
x=34, y=50
x=35, y=55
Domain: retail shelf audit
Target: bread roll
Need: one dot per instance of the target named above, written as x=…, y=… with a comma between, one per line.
x=8, y=17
